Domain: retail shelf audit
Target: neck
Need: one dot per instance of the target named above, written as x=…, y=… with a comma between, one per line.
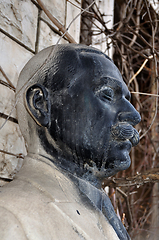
x=69, y=167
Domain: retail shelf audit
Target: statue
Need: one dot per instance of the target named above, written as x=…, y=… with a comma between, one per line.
x=74, y=112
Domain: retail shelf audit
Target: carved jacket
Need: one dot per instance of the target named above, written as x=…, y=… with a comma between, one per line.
x=45, y=203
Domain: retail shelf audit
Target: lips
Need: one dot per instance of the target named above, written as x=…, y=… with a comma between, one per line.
x=124, y=131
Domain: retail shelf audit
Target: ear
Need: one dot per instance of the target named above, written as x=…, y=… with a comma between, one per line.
x=37, y=104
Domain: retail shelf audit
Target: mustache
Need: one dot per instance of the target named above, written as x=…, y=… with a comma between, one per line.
x=124, y=131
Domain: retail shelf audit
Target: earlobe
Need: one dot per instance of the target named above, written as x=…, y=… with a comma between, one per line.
x=37, y=104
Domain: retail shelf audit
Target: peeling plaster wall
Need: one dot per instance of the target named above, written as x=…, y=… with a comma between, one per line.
x=24, y=30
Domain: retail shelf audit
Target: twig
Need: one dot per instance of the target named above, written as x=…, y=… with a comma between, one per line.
x=147, y=94
x=20, y=155
x=9, y=82
x=144, y=40
x=140, y=69
x=52, y=28
x=128, y=207
x=130, y=45
x=126, y=19
x=127, y=46
x=56, y=22
x=150, y=176
x=5, y=116
x=16, y=40
x=7, y=85
x=138, y=22
x=9, y=116
x=80, y=8
x=64, y=34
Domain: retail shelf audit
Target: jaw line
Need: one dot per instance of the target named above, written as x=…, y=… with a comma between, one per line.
x=99, y=174
x=103, y=172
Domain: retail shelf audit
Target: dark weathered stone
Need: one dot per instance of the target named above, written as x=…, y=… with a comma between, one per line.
x=75, y=115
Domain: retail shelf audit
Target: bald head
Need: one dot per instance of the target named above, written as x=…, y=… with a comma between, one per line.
x=74, y=105
x=60, y=59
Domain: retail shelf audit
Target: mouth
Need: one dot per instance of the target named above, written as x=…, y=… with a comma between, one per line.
x=123, y=137
x=124, y=145
x=125, y=132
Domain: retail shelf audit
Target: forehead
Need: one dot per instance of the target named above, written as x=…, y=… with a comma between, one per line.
x=106, y=72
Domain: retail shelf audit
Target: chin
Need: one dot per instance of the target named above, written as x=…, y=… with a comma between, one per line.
x=117, y=161
x=123, y=163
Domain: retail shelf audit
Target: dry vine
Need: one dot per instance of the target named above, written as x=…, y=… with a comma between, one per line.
x=136, y=53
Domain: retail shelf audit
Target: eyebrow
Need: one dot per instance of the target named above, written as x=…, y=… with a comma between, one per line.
x=112, y=82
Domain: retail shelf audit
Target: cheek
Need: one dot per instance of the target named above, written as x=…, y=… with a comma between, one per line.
x=94, y=120
x=83, y=124
x=96, y=132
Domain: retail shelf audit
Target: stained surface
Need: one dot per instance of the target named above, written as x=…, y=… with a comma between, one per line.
x=74, y=113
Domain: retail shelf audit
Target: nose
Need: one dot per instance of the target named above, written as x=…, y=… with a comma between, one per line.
x=129, y=115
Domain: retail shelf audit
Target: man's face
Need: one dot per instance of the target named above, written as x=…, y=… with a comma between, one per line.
x=93, y=119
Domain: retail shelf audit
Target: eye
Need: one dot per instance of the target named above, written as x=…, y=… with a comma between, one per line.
x=107, y=93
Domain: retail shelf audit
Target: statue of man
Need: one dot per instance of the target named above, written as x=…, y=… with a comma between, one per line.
x=74, y=112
